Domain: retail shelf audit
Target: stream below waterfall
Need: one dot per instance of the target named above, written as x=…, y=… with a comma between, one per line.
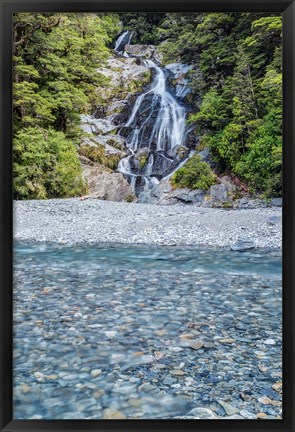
x=145, y=332
x=155, y=130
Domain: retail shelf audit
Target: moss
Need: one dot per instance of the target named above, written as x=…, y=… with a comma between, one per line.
x=130, y=198
x=97, y=154
x=194, y=174
x=112, y=142
x=227, y=205
x=142, y=159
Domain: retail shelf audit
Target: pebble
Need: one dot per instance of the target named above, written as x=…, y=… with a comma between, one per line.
x=264, y=400
x=278, y=386
x=95, y=373
x=270, y=342
x=196, y=345
x=261, y=415
x=229, y=409
x=177, y=372
x=129, y=352
x=113, y=414
x=118, y=222
x=227, y=341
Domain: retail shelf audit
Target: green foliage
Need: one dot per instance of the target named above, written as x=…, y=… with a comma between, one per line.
x=144, y=26
x=97, y=154
x=194, y=174
x=261, y=166
x=56, y=57
x=142, y=159
x=236, y=98
x=45, y=165
x=130, y=198
x=237, y=89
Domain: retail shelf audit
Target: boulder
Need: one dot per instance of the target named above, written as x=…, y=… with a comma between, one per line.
x=242, y=244
x=222, y=192
x=164, y=194
x=218, y=192
x=276, y=202
x=147, y=51
x=105, y=184
x=96, y=126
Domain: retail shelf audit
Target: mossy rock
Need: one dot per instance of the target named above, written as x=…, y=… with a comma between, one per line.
x=142, y=159
x=97, y=154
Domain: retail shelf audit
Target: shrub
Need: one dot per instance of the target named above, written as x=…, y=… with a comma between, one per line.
x=130, y=198
x=97, y=154
x=194, y=174
x=45, y=165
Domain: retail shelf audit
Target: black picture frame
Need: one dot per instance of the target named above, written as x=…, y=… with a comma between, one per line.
x=287, y=7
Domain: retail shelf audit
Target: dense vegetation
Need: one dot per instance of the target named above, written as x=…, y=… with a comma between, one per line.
x=195, y=174
x=55, y=80
x=236, y=102
x=237, y=89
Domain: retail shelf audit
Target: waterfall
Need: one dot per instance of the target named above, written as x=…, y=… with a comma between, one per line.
x=123, y=39
x=155, y=129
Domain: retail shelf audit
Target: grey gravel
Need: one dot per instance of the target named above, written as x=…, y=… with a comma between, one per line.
x=74, y=220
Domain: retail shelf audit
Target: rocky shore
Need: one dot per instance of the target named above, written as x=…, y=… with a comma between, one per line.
x=75, y=220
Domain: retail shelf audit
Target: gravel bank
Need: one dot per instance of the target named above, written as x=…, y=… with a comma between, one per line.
x=94, y=221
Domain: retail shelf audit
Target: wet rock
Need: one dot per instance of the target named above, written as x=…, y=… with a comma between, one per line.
x=243, y=244
x=168, y=380
x=278, y=386
x=177, y=372
x=202, y=413
x=261, y=415
x=270, y=342
x=179, y=78
x=227, y=341
x=195, y=345
x=264, y=400
x=95, y=373
x=113, y=414
x=229, y=409
x=247, y=415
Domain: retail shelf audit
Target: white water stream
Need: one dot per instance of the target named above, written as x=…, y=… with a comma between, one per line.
x=162, y=130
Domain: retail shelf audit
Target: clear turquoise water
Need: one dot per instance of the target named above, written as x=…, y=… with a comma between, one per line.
x=79, y=308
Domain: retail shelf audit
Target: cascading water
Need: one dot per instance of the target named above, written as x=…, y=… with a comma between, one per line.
x=154, y=131
x=123, y=39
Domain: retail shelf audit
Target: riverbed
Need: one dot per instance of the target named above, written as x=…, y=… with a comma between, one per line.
x=146, y=331
x=70, y=221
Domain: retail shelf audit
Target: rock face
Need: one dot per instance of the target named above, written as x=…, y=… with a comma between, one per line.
x=147, y=51
x=105, y=184
x=218, y=196
x=179, y=78
x=164, y=194
x=126, y=77
x=223, y=191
